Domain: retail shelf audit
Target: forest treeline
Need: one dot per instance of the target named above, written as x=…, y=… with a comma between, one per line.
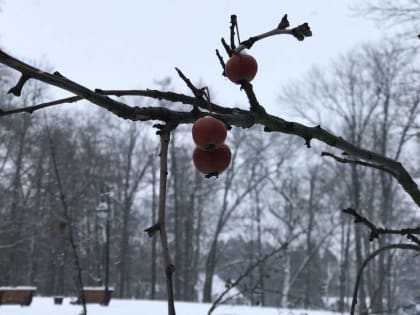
x=59, y=168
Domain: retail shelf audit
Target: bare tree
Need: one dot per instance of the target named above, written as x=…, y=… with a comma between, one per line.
x=363, y=102
x=403, y=13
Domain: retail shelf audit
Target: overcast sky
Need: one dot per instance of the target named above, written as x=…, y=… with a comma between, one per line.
x=129, y=44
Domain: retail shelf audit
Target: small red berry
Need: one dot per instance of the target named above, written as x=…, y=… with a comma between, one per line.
x=241, y=67
x=212, y=162
x=208, y=133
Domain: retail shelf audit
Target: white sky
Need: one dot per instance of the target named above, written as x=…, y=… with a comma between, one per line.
x=129, y=44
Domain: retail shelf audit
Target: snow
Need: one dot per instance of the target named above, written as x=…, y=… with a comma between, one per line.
x=45, y=305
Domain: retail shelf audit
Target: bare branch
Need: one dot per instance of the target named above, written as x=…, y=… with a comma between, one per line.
x=375, y=232
x=232, y=116
x=300, y=32
x=246, y=273
x=31, y=109
x=161, y=224
x=366, y=262
x=356, y=162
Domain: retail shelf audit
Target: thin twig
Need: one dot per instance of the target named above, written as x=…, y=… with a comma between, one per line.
x=222, y=62
x=226, y=47
x=375, y=232
x=31, y=109
x=300, y=32
x=356, y=162
x=161, y=224
x=368, y=259
x=245, y=274
x=198, y=93
x=233, y=25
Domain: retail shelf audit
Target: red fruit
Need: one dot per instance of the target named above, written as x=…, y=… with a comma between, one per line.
x=241, y=67
x=212, y=162
x=208, y=133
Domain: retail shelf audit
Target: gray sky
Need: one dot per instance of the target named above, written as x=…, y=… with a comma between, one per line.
x=129, y=44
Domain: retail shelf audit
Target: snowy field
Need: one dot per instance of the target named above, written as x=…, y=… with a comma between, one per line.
x=45, y=306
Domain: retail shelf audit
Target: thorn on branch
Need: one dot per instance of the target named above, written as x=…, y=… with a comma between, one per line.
x=302, y=31
x=58, y=74
x=284, y=23
x=227, y=48
x=17, y=89
x=222, y=62
x=308, y=141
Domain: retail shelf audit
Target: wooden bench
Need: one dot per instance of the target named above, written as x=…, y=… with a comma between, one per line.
x=17, y=295
x=95, y=295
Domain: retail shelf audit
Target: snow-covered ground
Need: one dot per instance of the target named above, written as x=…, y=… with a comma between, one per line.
x=45, y=306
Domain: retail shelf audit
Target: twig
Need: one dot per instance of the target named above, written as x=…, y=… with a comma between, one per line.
x=299, y=32
x=245, y=274
x=367, y=260
x=198, y=93
x=161, y=224
x=226, y=47
x=375, y=232
x=222, y=62
x=255, y=106
x=31, y=109
x=356, y=162
x=233, y=26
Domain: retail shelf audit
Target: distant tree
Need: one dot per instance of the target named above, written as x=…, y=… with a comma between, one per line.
x=358, y=96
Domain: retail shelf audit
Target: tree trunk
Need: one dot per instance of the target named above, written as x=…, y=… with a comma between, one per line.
x=210, y=269
x=286, y=280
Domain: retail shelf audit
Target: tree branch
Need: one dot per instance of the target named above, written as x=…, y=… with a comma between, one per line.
x=161, y=224
x=232, y=116
x=300, y=32
x=368, y=259
x=375, y=232
x=356, y=162
x=245, y=274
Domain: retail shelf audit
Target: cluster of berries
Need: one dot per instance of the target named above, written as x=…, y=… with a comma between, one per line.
x=212, y=156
